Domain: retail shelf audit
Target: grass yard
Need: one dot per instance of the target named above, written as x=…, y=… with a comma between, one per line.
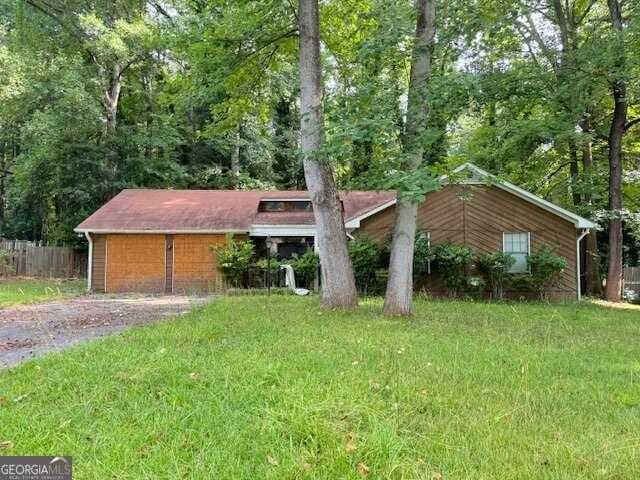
x=251, y=388
x=29, y=290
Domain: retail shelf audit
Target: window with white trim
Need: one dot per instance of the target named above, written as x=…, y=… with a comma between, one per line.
x=518, y=245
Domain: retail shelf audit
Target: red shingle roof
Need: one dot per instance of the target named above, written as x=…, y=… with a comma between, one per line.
x=211, y=210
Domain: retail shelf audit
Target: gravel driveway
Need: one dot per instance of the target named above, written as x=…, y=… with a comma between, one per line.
x=30, y=330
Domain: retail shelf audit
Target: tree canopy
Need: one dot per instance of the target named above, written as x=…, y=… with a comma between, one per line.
x=110, y=94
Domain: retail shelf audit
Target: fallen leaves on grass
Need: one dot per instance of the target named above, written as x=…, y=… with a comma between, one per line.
x=6, y=445
x=143, y=452
x=272, y=460
x=304, y=465
x=436, y=475
x=362, y=469
x=351, y=445
x=193, y=376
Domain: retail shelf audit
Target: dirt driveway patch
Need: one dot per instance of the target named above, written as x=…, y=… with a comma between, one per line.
x=30, y=330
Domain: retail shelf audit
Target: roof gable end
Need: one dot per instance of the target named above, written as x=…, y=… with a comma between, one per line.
x=480, y=176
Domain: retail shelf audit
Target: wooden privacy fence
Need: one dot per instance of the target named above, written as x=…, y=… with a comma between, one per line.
x=33, y=259
x=631, y=276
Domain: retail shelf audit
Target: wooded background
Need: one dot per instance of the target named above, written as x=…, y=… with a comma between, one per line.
x=110, y=94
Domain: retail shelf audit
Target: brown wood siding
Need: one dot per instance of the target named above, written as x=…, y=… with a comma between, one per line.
x=98, y=263
x=477, y=216
x=195, y=265
x=135, y=263
x=168, y=264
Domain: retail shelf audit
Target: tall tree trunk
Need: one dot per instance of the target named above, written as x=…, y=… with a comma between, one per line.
x=147, y=85
x=3, y=174
x=399, y=295
x=111, y=98
x=613, y=290
x=338, y=284
x=235, y=155
x=573, y=173
x=592, y=255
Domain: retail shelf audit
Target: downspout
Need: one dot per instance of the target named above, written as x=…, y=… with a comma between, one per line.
x=90, y=261
x=584, y=233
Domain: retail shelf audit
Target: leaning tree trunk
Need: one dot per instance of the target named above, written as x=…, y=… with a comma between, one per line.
x=338, y=284
x=613, y=289
x=398, y=298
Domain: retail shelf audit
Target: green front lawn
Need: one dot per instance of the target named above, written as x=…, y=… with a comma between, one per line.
x=29, y=290
x=250, y=388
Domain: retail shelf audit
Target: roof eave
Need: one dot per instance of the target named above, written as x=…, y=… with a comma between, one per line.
x=157, y=231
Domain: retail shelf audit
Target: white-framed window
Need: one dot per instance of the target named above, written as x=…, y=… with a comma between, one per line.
x=518, y=245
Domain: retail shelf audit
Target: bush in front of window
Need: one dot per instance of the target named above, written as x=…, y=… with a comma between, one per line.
x=495, y=269
x=546, y=270
x=234, y=259
x=453, y=262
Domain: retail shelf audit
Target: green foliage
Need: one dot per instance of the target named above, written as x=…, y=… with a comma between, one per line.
x=495, y=268
x=305, y=267
x=546, y=270
x=365, y=256
x=453, y=262
x=422, y=254
x=412, y=186
x=263, y=263
x=199, y=79
x=234, y=259
x=475, y=287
